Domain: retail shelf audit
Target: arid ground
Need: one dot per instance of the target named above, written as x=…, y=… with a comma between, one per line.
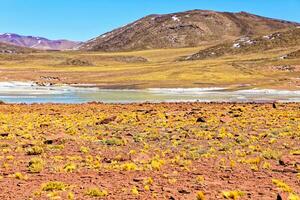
x=150, y=151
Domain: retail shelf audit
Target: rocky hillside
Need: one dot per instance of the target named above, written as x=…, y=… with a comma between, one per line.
x=12, y=49
x=37, y=42
x=292, y=55
x=185, y=29
x=251, y=45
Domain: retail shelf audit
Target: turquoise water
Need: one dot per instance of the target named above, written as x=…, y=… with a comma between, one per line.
x=21, y=92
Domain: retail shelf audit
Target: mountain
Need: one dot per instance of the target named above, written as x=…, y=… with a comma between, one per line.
x=185, y=29
x=285, y=39
x=13, y=49
x=37, y=42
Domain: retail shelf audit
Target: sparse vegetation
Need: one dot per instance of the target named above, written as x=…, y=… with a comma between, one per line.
x=36, y=165
x=232, y=194
x=36, y=150
x=150, y=150
x=54, y=186
x=161, y=69
x=96, y=192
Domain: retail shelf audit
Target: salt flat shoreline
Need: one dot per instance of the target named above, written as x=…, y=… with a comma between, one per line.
x=30, y=92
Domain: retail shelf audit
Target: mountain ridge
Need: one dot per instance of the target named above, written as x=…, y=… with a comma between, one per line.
x=246, y=45
x=13, y=49
x=184, y=29
x=36, y=42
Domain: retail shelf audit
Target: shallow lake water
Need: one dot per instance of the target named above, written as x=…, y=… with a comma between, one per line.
x=27, y=92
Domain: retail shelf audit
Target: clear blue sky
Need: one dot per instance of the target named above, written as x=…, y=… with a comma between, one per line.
x=85, y=19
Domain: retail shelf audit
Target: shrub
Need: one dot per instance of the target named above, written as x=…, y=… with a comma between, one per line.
x=113, y=142
x=36, y=165
x=232, y=194
x=156, y=164
x=96, y=192
x=281, y=185
x=77, y=62
x=19, y=176
x=84, y=150
x=71, y=196
x=134, y=191
x=129, y=167
x=200, y=196
x=53, y=186
x=70, y=167
x=293, y=197
x=271, y=154
x=35, y=150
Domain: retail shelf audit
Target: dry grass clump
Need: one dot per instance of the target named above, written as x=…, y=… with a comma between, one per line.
x=54, y=186
x=77, y=62
x=96, y=192
x=36, y=165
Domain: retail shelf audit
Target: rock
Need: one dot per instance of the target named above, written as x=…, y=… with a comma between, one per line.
x=50, y=78
x=4, y=134
x=43, y=84
x=225, y=119
x=140, y=179
x=54, y=140
x=285, y=170
x=141, y=158
x=169, y=190
x=279, y=197
x=44, y=125
x=201, y=119
x=183, y=191
x=107, y=120
x=289, y=160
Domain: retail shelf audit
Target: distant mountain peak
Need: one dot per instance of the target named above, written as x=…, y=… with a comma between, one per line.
x=37, y=42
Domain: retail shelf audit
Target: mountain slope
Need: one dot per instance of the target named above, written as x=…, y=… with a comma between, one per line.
x=292, y=55
x=185, y=29
x=37, y=42
x=13, y=49
x=286, y=39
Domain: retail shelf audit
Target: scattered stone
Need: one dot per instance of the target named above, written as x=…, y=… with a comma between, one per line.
x=201, y=119
x=54, y=140
x=285, y=68
x=107, y=120
x=183, y=191
x=50, y=78
x=169, y=190
x=140, y=179
x=226, y=119
x=4, y=134
x=279, y=197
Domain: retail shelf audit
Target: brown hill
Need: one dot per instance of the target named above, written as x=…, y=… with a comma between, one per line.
x=185, y=29
x=12, y=49
x=284, y=39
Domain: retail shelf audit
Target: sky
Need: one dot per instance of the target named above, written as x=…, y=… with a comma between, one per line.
x=81, y=20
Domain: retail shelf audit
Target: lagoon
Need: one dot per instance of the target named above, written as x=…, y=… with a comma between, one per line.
x=29, y=92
